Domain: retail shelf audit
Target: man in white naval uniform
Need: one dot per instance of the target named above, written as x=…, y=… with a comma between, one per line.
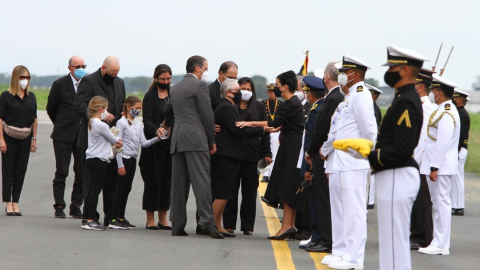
x=397, y=180
x=440, y=162
x=357, y=120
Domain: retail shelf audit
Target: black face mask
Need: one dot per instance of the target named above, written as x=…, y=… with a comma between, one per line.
x=277, y=92
x=163, y=86
x=108, y=78
x=392, y=78
x=237, y=97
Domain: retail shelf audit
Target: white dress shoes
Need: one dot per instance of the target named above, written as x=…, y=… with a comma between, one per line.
x=345, y=265
x=330, y=258
x=434, y=250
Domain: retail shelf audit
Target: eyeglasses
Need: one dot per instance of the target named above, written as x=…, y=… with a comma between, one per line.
x=79, y=66
x=25, y=77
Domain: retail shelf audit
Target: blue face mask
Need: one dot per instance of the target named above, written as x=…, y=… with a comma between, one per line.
x=79, y=73
x=135, y=113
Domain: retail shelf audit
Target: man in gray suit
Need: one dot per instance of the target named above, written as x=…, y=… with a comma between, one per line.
x=193, y=140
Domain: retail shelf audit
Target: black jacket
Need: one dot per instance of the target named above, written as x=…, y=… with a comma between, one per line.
x=94, y=85
x=464, y=127
x=230, y=139
x=399, y=132
x=378, y=114
x=66, y=123
x=258, y=147
x=214, y=89
x=322, y=123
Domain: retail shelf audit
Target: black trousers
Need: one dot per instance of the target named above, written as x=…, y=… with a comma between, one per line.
x=108, y=189
x=14, y=167
x=302, y=219
x=421, y=224
x=248, y=179
x=95, y=171
x=123, y=188
x=63, y=155
x=322, y=197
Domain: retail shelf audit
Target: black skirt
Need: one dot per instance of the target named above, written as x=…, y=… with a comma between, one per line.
x=285, y=178
x=224, y=171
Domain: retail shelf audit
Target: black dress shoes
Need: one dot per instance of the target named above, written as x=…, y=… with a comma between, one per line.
x=227, y=234
x=289, y=234
x=155, y=227
x=59, y=213
x=212, y=231
x=180, y=233
x=458, y=212
x=371, y=206
x=247, y=232
x=201, y=231
x=264, y=179
x=319, y=248
x=18, y=214
x=161, y=227
x=414, y=245
x=300, y=236
x=75, y=212
x=9, y=213
x=309, y=245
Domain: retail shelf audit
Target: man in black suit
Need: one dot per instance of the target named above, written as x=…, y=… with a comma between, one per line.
x=66, y=125
x=227, y=70
x=103, y=82
x=312, y=156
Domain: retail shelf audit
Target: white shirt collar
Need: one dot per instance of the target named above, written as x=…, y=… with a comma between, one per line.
x=331, y=90
x=193, y=75
x=75, y=82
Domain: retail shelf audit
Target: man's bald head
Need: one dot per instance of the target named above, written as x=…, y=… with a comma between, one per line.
x=111, y=65
x=75, y=61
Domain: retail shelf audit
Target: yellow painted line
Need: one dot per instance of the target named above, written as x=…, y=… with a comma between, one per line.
x=281, y=250
x=453, y=236
x=283, y=254
x=372, y=230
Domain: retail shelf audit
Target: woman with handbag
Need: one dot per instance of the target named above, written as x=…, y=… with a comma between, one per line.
x=18, y=122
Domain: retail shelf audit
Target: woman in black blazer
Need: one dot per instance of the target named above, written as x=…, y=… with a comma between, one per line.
x=155, y=161
x=284, y=181
x=230, y=150
x=256, y=148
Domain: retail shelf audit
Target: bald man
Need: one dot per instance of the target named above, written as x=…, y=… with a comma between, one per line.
x=103, y=82
x=66, y=124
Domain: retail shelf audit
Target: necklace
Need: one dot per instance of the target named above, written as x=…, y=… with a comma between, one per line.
x=272, y=116
x=166, y=98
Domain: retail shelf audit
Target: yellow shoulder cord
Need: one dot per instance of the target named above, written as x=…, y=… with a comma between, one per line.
x=432, y=123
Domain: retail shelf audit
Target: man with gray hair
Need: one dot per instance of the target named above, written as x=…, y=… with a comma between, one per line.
x=228, y=70
x=65, y=133
x=103, y=82
x=321, y=240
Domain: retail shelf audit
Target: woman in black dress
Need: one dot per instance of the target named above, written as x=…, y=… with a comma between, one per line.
x=230, y=150
x=18, y=110
x=284, y=180
x=155, y=161
x=256, y=148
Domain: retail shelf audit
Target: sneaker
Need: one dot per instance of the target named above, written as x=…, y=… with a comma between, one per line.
x=331, y=258
x=117, y=224
x=128, y=224
x=432, y=250
x=93, y=226
x=59, y=212
x=345, y=265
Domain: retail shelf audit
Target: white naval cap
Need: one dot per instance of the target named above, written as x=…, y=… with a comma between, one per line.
x=401, y=56
x=351, y=62
x=319, y=73
x=443, y=83
x=460, y=93
x=372, y=89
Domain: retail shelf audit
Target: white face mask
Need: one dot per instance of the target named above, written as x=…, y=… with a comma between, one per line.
x=104, y=114
x=300, y=95
x=435, y=98
x=343, y=78
x=23, y=84
x=204, y=76
x=431, y=97
x=246, y=95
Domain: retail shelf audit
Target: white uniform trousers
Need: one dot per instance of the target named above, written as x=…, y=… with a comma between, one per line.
x=336, y=205
x=442, y=222
x=274, y=144
x=396, y=193
x=458, y=185
x=371, y=189
x=352, y=187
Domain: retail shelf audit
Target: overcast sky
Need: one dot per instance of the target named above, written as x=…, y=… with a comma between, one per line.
x=263, y=37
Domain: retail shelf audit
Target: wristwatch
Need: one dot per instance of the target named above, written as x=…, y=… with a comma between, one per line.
x=433, y=169
x=34, y=138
